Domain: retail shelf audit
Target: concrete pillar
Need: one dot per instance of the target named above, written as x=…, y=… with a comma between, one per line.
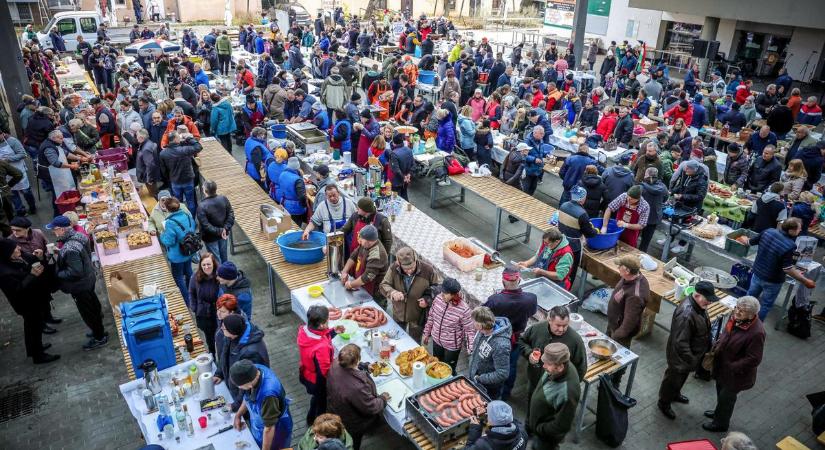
x=709, y=30
x=15, y=82
x=579, y=25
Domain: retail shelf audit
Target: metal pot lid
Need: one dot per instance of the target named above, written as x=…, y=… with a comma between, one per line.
x=718, y=278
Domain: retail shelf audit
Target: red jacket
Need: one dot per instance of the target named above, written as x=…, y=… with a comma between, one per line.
x=676, y=113
x=742, y=93
x=607, y=125
x=315, y=349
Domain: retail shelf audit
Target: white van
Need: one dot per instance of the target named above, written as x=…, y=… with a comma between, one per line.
x=70, y=24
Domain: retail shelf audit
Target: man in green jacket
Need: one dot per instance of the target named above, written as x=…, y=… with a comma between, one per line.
x=555, y=400
x=224, y=48
x=539, y=335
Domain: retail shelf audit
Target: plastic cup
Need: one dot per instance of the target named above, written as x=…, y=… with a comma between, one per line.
x=202, y=421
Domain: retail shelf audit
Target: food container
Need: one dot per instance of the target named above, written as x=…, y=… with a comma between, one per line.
x=737, y=248
x=470, y=259
x=315, y=291
x=604, y=241
x=310, y=251
x=427, y=423
x=431, y=380
x=602, y=348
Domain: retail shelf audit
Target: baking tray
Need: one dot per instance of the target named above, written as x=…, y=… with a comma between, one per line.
x=549, y=294
x=437, y=435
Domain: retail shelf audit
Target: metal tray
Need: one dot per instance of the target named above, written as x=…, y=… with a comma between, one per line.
x=425, y=422
x=549, y=294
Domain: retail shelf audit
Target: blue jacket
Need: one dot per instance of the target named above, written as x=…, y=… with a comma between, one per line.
x=734, y=119
x=342, y=133
x=287, y=195
x=321, y=120
x=401, y=162
x=534, y=161
x=785, y=81
x=273, y=174
x=573, y=169
x=629, y=64
x=445, y=137
x=699, y=115
x=178, y=224
x=296, y=59
x=269, y=386
x=690, y=82
x=156, y=132
x=259, y=45
x=306, y=107
x=324, y=44
x=502, y=80
x=258, y=107
x=468, y=132
x=642, y=109
x=756, y=144
x=201, y=78
x=253, y=163
x=222, y=118
x=266, y=71
x=731, y=89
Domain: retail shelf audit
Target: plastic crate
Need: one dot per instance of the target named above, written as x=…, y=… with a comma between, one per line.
x=699, y=444
x=119, y=160
x=67, y=201
x=737, y=248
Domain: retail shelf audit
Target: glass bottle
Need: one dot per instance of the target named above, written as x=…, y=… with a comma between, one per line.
x=190, y=427
x=180, y=419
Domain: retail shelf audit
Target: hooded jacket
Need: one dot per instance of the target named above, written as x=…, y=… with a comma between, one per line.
x=689, y=336
x=467, y=129
x=617, y=180
x=573, y=168
x=655, y=195
x=505, y=437
x=75, y=272
x=316, y=354
x=768, y=210
x=242, y=290
x=250, y=345
x=511, y=168
x=762, y=173
x=595, y=202
x=692, y=188
x=553, y=405
x=736, y=171
x=445, y=137
x=178, y=224
x=334, y=92
x=489, y=364
x=222, y=118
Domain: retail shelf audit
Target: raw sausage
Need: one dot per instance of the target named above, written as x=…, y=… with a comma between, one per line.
x=442, y=420
x=463, y=409
x=426, y=403
x=437, y=399
x=443, y=406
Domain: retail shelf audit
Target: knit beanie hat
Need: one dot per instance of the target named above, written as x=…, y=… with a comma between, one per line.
x=228, y=270
x=7, y=247
x=578, y=193
x=635, y=192
x=499, y=413
x=366, y=204
x=293, y=163
x=369, y=233
x=451, y=286
x=20, y=222
x=235, y=324
x=243, y=372
x=332, y=444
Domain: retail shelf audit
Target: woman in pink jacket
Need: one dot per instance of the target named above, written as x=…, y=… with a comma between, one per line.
x=449, y=324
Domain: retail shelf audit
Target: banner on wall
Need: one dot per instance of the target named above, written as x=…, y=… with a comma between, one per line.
x=560, y=13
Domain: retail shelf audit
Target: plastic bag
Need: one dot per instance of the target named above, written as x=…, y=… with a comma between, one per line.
x=597, y=300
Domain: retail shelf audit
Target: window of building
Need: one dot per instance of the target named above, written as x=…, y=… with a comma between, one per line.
x=88, y=25
x=66, y=26
x=632, y=30
x=21, y=12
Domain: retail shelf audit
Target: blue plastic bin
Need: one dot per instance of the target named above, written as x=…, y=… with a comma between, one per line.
x=607, y=240
x=278, y=131
x=309, y=255
x=426, y=76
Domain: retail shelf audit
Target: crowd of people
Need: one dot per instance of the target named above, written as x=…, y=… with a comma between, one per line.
x=160, y=108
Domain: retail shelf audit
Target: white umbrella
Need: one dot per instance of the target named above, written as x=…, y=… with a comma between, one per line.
x=152, y=47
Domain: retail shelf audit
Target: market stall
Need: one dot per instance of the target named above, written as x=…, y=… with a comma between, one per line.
x=209, y=421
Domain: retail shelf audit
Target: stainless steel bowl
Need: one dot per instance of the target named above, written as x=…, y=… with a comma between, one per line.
x=602, y=343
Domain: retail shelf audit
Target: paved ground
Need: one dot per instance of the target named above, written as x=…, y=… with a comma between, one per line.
x=78, y=405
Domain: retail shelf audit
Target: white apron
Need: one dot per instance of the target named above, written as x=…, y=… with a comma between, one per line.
x=62, y=179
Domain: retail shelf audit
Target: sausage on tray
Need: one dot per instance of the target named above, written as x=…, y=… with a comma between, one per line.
x=426, y=403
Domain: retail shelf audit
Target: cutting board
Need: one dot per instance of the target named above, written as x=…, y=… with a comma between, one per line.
x=398, y=393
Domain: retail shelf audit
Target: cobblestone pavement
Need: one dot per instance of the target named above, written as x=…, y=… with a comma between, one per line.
x=78, y=405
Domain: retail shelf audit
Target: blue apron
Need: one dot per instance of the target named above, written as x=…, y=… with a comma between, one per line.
x=269, y=386
x=337, y=224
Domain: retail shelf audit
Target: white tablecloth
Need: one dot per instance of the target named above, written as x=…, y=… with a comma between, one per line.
x=395, y=419
x=132, y=393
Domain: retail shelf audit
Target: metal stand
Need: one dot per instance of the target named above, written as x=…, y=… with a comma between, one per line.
x=233, y=244
x=434, y=194
x=497, y=241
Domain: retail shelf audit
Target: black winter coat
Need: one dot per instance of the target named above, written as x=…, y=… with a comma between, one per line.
x=26, y=293
x=692, y=188
x=624, y=130
x=689, y=337
x=250, y=345
x=596, y=199
x=215, y=214
x=509, y=437
x=176, y=162
x=38, y=128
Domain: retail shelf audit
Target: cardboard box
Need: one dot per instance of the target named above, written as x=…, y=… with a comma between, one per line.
x=273, y=227
x=647, y=124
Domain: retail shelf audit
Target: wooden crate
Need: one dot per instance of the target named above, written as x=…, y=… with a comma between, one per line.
x=423, y=443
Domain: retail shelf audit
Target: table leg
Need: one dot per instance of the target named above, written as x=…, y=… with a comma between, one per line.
x=433, y=189
x=631, y=377
x=583, y=283
x=462, y=195
x=272, y=294
x=784, y=310
x=231, y=243
x=580, y=413
x=689, y=251
x=666, y=247
x=527, y=234
x=497, y=229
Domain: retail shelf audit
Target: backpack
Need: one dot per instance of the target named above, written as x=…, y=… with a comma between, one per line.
x=191, y=242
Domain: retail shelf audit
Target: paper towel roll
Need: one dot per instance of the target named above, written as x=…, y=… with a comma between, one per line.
x=418, y=374
x=207, y=386
x=204, y=364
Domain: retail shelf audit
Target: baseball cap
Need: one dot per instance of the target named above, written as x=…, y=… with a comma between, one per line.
x=59, y=222
x=705, y=289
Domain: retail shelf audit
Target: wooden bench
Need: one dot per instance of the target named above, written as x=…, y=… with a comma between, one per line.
x=789, y=443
